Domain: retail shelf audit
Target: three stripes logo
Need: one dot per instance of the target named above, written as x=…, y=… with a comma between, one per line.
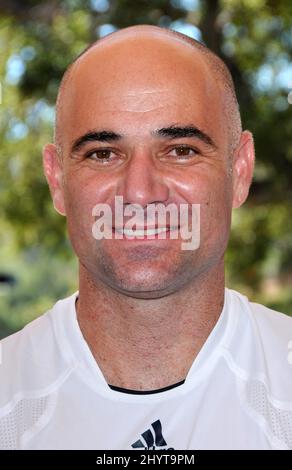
x=152, y=438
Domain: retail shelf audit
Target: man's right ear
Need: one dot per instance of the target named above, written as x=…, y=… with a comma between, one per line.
x=54, y=173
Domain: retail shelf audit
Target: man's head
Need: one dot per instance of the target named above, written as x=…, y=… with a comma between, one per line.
x=217, y=68
x=164, y=110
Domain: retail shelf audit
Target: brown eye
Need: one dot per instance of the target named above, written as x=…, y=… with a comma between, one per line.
x=102, y=155
x=183, y=151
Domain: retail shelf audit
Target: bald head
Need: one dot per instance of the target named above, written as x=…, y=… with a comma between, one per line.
x=109, y=46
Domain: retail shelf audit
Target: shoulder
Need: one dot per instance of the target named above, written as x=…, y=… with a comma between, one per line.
x=32, y=359
x=32, y=368
x=260, y=345
x=274, y=329
x=259, y=354
x=271, y=322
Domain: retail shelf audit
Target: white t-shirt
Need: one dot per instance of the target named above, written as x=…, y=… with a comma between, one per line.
x=237, y=394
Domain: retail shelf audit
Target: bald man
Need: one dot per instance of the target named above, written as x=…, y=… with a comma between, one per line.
x=152, y=352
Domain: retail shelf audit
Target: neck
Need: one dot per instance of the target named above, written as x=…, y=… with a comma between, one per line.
x=148, y=344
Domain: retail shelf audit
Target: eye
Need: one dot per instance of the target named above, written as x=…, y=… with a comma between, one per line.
x=101, y=155
x=183, y=151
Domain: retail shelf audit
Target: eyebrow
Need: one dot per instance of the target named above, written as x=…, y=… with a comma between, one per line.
x=176, y=132
x=171, y=132
x=95, y=136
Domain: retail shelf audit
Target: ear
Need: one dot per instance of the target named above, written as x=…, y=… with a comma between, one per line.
x=243, y=165
x=53, y=170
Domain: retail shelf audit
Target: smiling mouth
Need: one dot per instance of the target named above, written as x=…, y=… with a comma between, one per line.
x=143, y=232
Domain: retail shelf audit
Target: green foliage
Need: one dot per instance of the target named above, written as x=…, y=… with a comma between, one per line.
x=40, y=281
x=39, y=39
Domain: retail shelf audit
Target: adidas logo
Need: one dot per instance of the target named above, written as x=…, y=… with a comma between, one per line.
x=152, y=438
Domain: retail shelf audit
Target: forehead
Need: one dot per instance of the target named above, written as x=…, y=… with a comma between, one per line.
x=146, y=80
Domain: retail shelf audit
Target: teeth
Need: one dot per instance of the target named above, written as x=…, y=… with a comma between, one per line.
x=142, y=232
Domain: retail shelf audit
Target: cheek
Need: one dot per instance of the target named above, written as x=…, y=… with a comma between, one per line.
x=216, y=216
x=80, y=199
x=79, y=203
x=83, y=190
x=213, y=191
x=206, y=187
x=79, y=219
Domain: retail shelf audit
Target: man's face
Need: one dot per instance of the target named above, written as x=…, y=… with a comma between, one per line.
x=133, y=90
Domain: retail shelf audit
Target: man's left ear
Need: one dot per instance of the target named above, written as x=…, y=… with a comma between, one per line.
x=243, y=165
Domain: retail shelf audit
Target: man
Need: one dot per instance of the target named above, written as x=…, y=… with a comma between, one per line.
x=152, y=352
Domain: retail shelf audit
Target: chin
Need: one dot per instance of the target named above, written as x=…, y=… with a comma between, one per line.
x=147, y=284
x=138, y=275
x=145, y=292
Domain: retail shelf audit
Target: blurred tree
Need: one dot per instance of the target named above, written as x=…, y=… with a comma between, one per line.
x=39, y=39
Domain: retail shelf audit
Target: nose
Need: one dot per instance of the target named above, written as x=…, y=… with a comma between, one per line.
x=143, y=183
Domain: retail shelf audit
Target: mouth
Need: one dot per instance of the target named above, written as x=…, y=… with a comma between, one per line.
x=143, y=232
